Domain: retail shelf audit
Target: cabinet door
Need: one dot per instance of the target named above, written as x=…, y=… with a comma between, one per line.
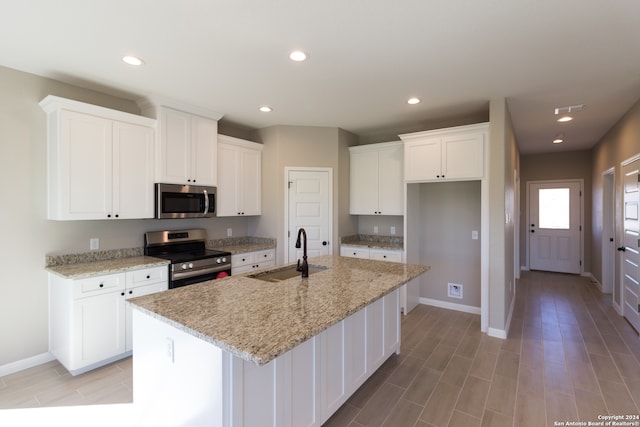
x=363, y=183
x=228, y=191
x=99, y=329
x=132, y=171
x=463, y=156
x=83, y=168
x=139, y=291
x=422, y=160
x=204, y=134
x=375, y=335
x=174, y=155
x=391, y=181
x=251, y=182
x=335, y=378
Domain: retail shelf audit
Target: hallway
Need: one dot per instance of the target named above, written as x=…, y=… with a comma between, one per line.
x=569, y=357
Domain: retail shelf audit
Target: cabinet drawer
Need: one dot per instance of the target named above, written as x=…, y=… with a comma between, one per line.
x=98, y=285
x=239, y=260
x=354, y=252
x=146, y=276
x=262, y=256
x=384, y=255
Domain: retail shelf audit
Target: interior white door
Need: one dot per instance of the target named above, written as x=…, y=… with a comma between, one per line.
x=309, y=201
x=555, y=226
x=630, y=254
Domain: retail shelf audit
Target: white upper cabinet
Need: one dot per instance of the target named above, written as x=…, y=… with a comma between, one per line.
x=239, y=177
x=100, y=162
x=445, y=154
x=376, y=182
x=187, y=149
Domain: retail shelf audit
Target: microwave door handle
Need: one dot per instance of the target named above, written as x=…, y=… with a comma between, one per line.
x=206, y=202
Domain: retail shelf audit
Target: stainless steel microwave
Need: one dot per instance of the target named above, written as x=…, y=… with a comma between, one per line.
x=185, y=201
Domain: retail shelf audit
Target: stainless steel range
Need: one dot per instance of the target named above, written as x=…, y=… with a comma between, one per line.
x=191, y=261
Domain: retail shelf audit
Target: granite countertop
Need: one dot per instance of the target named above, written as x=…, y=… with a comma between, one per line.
x=242, y=245
x=374, y=241
x=259, y=321
x=87, y=269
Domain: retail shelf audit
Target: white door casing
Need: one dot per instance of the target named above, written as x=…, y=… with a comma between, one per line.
x=308, y=206
x=630, y=243
x=608, y=234
x=555, y=246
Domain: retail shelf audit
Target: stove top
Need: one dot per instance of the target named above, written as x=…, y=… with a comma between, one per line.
x=180, y=245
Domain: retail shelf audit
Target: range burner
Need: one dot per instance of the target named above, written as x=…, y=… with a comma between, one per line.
x=191, y=261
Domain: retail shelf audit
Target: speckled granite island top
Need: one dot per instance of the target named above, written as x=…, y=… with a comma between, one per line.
x=95, y=268
x=258, y=320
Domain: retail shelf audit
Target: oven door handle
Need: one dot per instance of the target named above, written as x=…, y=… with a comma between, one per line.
x=206, y=202
x=190, y=273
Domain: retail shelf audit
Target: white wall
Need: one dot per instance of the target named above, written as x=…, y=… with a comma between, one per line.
x=27, y=235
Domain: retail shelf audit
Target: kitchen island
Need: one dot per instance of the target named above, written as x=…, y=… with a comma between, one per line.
x=242, y=351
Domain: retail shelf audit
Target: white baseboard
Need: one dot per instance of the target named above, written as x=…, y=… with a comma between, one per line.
x=524, y=268
x=617, y=307
x=497, y=333
x=27, y=363
x=450, y=305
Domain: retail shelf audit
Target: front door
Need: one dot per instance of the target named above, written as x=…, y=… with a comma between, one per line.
x=629, y=248
x=555, y=227
x=309, y=207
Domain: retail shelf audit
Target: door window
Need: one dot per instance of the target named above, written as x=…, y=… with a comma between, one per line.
x=553, y=208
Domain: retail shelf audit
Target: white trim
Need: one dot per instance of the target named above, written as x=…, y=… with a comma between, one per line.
x=524, y=268
x=497, y=333
x=617, y=308
x=593, y=279
x=609, y=224
x=450, y=305
x=287, y=170
x=29, y=362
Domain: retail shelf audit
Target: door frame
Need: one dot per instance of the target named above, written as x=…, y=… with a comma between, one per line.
x=287, y=170
x=556, y=181
x=608, y=231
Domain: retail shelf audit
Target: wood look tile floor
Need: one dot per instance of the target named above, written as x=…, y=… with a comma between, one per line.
x=569, y=357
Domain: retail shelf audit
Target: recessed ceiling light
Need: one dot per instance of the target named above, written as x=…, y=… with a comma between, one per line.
x=559, y=139
x=132, y=60
x=298, y=56
x=266, y=109
x=565, y=119
x=413, y=101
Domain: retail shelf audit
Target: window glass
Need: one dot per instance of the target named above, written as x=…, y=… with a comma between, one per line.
x=553, y=206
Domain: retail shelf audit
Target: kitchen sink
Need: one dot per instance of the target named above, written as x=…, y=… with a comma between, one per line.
x=284, y=273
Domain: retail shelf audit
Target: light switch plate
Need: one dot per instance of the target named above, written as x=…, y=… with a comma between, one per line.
x=474, y=234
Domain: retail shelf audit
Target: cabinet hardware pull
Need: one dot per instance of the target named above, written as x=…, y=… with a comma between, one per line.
x=102, y=285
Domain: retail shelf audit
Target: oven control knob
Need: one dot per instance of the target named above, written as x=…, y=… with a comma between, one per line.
x=190, y=265
x=184, y=266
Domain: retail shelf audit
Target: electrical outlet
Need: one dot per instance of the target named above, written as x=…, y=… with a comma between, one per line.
x=393, y=230
x=229, y=232
x=375, y=229
x=94, y=244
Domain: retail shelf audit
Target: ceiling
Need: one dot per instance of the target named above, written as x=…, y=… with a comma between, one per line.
x=367, y=57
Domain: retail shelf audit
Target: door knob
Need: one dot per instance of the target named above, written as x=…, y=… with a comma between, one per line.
x=325, y=243
x=533, y=231
x=533, y=225
x=622, y=249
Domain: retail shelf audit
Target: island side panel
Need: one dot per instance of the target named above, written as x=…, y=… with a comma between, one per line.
x=178, y=379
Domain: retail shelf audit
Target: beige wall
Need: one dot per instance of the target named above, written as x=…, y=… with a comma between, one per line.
x=619, y=144
x=27, y=235
x=503, y=162
x=303, y=146
x=448, y=212
x=557, y=166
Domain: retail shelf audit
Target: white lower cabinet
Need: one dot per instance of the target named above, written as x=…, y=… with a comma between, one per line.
x=250, y=261
x=308, y=384
x=300, y=388
x=90, y=323
x=363, y=252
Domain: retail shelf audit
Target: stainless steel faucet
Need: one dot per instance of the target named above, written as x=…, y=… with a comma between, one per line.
x=304, y=268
